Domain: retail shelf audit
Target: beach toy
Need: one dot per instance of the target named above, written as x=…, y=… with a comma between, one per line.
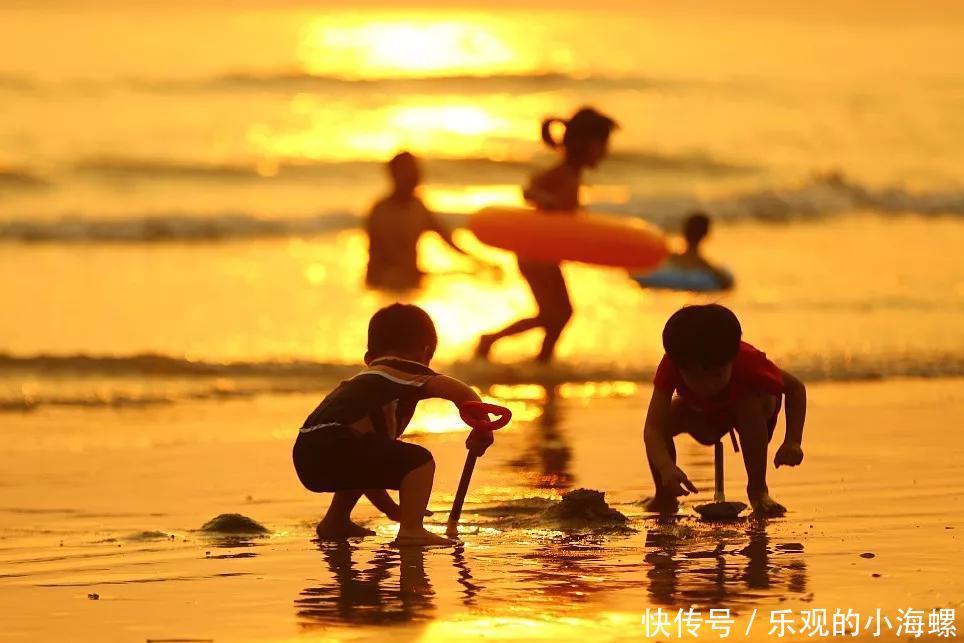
x=476, y=415
x=552, y=237
x=720, y=509
x=673, y=278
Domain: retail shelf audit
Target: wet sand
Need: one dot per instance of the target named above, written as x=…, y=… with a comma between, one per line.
x=108, y=503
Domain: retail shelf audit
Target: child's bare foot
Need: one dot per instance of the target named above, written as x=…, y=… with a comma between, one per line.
x=661, y=504
x=484, y=347
x=764, y=505
x=331, y=530
x=420, y=537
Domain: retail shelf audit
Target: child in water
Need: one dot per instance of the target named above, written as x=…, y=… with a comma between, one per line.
x=720, y=383
x=696, y=228
x=584, y=144
x=394, y=226
x=350, y=442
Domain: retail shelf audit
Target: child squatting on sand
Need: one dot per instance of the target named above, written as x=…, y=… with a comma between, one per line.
x=720, y=383
x=350, y=444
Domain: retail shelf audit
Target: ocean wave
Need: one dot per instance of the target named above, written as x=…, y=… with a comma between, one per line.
x=459, y=170
x=15, y=83
x=686, y=163
x=15, y=177
x=821, y=196
x=155, y=365
x=109, y=379
x=456, y=169
x=173, y=228
x=459, y=83
x=121, y=399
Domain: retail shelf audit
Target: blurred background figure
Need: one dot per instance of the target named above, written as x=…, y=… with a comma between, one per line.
x=395, y=224
x=584, y=145
x=696, y=227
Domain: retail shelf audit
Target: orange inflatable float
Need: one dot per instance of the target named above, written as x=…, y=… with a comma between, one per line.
x=571, y=236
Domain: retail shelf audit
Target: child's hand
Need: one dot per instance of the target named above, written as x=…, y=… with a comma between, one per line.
x=675, y=482
x=476, y=414
x=479, y=441
x=789, y=454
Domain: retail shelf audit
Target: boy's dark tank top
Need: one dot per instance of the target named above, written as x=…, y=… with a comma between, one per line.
x=381, y=399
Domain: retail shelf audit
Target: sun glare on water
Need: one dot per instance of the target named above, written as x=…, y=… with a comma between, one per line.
x=410, y=46
x=435, y=119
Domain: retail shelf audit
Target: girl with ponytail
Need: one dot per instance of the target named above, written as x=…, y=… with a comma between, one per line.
x=584, y=144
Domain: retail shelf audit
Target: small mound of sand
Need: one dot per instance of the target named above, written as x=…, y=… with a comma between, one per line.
x=234, y=524
x=581, y=509
x=585, y=508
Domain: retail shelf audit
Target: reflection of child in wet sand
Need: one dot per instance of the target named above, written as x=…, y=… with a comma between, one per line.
x=349, y=444
x=584, y=144
x=696, y=228
x=394, y=227
x=721, y=383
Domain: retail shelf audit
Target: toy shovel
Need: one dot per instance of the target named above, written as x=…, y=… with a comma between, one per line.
x=476, y=415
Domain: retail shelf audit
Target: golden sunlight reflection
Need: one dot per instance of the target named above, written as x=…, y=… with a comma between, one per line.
x=412, y=45
x=468, y=120
x=462, y=313
x=440, y=416
x=605, y=193
x=587, y=390
x=287, y=320
x=546, y=621
x=316, y=273
x=437, y=127
x=435, y=416
x=470, y=198
x=486, y=494
x=535, y=392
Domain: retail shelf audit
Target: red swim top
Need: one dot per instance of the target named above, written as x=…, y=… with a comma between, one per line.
x=752, y=372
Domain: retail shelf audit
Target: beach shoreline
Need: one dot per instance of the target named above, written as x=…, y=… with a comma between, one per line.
x=108, y=503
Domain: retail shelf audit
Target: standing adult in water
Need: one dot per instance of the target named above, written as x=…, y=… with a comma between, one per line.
x=394, y=226
x=584, y=144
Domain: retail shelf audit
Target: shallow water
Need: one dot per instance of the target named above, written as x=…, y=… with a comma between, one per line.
x=162, y=324
x=98, y=479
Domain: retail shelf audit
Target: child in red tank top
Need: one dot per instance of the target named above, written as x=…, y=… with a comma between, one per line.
x=708, y=383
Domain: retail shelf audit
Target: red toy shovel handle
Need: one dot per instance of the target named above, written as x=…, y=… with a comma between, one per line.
x=476, y=415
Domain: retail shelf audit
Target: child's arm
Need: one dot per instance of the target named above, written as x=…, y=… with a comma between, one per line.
x=451, y=389
x=795, y=393
x=384, y=502
x=657, y=417
x=673, y=478
x=443, y=231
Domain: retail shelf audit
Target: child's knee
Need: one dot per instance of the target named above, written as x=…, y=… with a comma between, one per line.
x=555, y=320
x=565, y=312
x=415, y=460
x=423, y=457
